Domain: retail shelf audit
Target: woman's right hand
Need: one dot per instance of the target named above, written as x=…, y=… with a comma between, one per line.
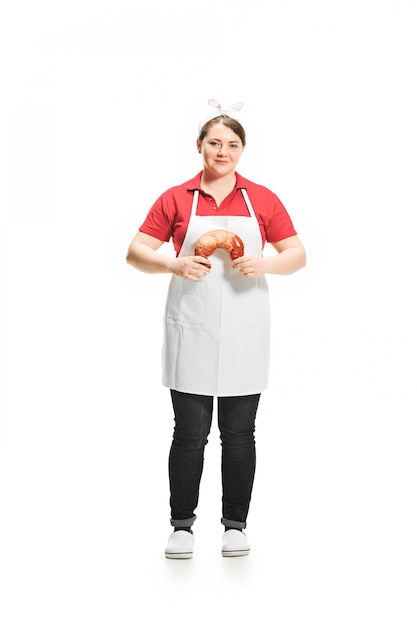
x=191, y=267
x=143, y=255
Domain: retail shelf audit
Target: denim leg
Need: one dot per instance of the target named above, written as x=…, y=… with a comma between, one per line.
x=236, y=416
x=193, y=417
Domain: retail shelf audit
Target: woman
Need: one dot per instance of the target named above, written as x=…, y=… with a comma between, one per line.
x=216, y=326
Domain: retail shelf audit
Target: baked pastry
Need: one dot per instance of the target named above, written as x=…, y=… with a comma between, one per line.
x=209, y=242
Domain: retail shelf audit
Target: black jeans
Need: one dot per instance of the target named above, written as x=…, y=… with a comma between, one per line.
x=193, y=418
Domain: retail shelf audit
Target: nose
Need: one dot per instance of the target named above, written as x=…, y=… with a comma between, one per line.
x=222, y=150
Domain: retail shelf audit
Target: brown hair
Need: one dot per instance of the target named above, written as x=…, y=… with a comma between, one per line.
x=230, y=122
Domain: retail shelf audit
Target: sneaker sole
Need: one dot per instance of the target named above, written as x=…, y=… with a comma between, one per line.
x=235, y=552
x=178, y=555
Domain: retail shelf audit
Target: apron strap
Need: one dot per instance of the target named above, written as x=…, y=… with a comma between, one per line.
x=248, y=203
x=195, y=202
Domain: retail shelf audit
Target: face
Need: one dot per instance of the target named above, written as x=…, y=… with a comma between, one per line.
x=221, y=150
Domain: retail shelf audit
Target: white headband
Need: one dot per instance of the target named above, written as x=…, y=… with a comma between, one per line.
x=228, y=110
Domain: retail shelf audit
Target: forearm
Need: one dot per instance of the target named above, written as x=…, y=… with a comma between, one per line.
x=145, y=259
x=286, y=262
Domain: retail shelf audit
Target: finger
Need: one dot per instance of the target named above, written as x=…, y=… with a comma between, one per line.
x=202, y=261
x=197, y=272
x=200, y=270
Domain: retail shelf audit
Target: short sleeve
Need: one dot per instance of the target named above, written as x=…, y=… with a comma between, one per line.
x=158, y=222
x=279, y=225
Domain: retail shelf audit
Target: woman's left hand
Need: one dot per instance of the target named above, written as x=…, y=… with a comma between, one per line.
x=250, y=266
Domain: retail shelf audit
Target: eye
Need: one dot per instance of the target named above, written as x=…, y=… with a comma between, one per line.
x=234, y=146
x=214, y=143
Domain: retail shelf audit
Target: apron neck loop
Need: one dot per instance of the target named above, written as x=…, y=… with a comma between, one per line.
x=244, y=193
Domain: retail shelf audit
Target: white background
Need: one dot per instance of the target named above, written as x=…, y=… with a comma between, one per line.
x=100, y=108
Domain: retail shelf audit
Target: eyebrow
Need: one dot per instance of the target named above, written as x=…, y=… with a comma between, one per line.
x=231, y=141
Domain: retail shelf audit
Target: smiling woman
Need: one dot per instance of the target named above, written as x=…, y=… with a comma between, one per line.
x=217, y=315
x=220, y=143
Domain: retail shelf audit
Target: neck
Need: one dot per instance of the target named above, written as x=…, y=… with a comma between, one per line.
x=213, y=182
x=219, y=188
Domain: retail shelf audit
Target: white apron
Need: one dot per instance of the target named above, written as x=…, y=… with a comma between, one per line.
x=217, y=329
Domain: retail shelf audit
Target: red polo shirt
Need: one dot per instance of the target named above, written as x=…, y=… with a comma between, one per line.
x=169, y=216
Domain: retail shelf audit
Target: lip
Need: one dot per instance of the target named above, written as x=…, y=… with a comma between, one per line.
x=221, y=162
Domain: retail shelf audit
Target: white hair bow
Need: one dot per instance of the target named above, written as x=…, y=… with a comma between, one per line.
x=225, y=110
x=229, y=111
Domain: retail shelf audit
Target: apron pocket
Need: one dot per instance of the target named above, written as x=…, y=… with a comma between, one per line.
x=186, y=302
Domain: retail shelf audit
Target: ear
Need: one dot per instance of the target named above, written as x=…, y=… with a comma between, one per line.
x=199, y=145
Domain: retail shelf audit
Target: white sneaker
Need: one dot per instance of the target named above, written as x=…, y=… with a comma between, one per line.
x=180, y=545
x=235, y=543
